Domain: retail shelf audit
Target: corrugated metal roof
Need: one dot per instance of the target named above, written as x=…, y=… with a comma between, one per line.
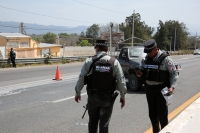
x=43, y=45
x=13, y=35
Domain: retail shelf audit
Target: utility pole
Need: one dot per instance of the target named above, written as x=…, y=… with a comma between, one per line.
x=170, y=44
x=63, y=50
x=196, y=41
x=175, y=40
x=111, y=25
x=22, y=30
x=133, y=27
x=57, y=39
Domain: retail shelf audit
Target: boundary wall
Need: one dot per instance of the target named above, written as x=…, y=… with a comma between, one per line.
x=79, y=51
x=82, y=51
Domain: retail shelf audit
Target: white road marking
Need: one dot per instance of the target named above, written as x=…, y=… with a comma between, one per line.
x=178, y=61
x=64, y=99
x=8, y=90
x=185, y=59
x=82, y=124
x=61, y=100
x=11, y=93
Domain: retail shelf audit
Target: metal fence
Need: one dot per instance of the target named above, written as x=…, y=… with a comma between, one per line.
x=43, y=60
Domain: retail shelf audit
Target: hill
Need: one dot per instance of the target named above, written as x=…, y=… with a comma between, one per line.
x=14, y=27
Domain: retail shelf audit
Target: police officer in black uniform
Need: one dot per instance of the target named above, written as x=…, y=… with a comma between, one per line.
x=106, y=73
x=158, y=71
x=12, y=57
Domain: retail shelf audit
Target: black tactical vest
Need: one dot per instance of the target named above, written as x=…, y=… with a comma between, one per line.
x=12, y=54
x=152, y=69
x=102, y=75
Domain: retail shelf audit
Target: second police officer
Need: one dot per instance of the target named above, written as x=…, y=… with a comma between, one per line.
x=104, y=75
x=158, y=71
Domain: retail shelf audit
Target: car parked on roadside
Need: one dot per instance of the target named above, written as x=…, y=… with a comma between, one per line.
x=197, y=52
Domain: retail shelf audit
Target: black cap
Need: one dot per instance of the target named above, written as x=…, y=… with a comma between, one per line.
x=149, y=45
x=101, y=43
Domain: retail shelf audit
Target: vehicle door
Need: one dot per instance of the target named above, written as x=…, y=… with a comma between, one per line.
x=124, y=59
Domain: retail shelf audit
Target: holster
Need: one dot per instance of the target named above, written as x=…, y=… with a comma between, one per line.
x=114, y=96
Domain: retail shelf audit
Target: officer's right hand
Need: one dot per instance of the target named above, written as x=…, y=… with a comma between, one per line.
x=138, y=72
x=122, y=101
x=77, y=99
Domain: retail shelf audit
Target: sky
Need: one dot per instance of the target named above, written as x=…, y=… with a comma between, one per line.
x=72, y=13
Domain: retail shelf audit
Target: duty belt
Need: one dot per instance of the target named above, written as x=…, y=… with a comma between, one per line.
x=102, y=92
x=160, y=86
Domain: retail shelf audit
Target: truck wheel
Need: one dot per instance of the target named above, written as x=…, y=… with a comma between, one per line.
x=133, y=82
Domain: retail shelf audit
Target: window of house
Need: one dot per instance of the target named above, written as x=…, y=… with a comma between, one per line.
x=24, y=44
x=13, y=44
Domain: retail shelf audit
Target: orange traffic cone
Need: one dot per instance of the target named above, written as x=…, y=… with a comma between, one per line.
x=57, y=76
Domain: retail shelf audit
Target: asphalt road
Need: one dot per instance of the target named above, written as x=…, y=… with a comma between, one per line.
x=31, y=102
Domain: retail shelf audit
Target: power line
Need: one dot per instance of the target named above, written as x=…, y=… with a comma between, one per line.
x=52, y=29
x=43, y=15
x=65, y=18
x=8, y=26
x=106, y=9
x=100, y=7
x=38, y=29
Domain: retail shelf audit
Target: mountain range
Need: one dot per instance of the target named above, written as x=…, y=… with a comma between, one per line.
x=14, y=27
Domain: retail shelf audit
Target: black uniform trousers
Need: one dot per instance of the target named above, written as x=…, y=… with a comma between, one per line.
x=100, y=111
x=158, y=110
x=13, y=61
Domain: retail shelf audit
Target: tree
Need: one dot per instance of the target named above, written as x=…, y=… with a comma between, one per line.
x=37, y=39
x=82, y=34
x=92, y=32
x=84, y=43
x=106, y=28
x=61, y=35
x=49, y=37
x=117, y=35
x=70, y=40
x=161, y=36
x=167, y=30
x=73, y=34
x=192, y=41
x=141, y=30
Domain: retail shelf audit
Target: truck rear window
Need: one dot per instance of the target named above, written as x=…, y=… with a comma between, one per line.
x=136, y=52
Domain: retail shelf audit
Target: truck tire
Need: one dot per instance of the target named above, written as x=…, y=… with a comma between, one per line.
x=133, y=82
